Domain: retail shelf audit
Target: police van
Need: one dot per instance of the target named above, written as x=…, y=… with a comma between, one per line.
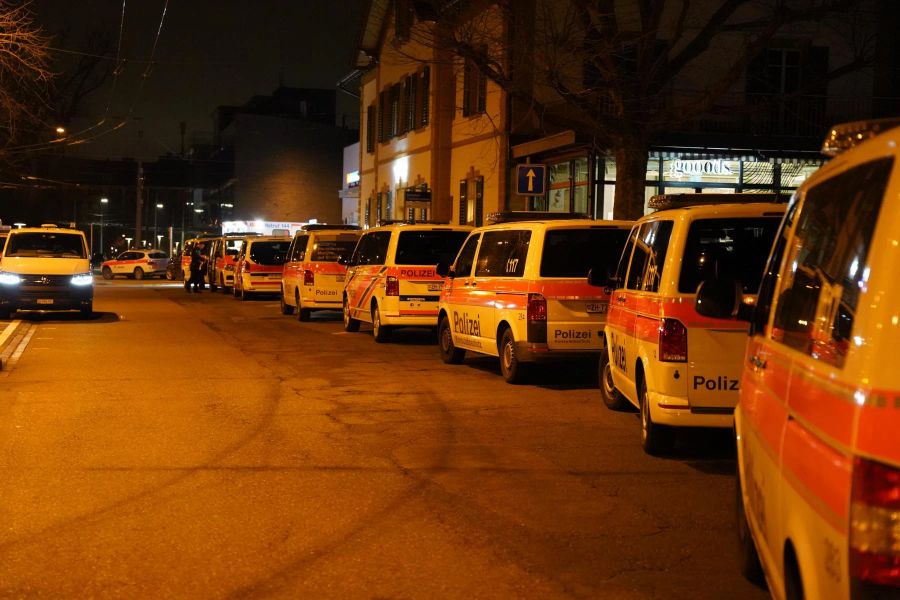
x=681, y=369
x=313, y=278
x=391, y=276
x=223, y=255
x=518, y=290
x=259, y=265
x=818, y=422
x=204, y=245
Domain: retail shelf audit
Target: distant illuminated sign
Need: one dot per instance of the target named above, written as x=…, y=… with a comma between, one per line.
x=679, y=168
x=262, y=227
x=353, y=179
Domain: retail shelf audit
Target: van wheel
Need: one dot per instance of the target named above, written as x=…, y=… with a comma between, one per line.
x=212, y=284
x=350, y=324
x=138, y=273
x=751, y=568
x=87, y=310
x=244, y=295
x=106, y=272
x=611, y=396
x=380, y=332
x=512, y=370
x=286, y=309
x=655, y=439
x=450, y=354
x=5, y=314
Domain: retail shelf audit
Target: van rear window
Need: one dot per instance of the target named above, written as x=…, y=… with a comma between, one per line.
x=735, y=247
x=269, y=253
x=574, y=252
x=65, y=245
x=330, y=248
x=429, y=247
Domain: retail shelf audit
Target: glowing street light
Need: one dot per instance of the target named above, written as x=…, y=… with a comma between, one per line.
x=155, y=217
x=61, y=130
x=103, y=202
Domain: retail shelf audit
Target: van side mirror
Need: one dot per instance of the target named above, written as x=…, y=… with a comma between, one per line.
x=600, y=277
x=720, y=299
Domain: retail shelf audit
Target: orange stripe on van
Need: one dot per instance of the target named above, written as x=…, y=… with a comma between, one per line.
x=878, y=429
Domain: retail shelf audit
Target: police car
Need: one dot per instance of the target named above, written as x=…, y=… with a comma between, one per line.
x=136, y=264
x=679, y=368
x=518, y=290
x=819, y=413
x=391, y=276
x=313, y=278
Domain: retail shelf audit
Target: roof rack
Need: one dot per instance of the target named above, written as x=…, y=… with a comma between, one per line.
x=665, y=201
x=411, y=222
x=844, y=136
x=514, y=216
x=321, y=226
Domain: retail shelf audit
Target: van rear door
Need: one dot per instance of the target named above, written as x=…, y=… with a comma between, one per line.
x=418, y=253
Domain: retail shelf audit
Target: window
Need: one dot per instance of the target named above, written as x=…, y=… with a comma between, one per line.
x=372, y=248
x=622, y=268
x=403, y=19
x=158, y=255
x=424, y=97
x=503, y=254
x=46, y=244
x=650, y=247
x=330, y=248
x=411, y=97
x=789, y=85
x=370, y=128
x=727, y=247
x=574, y=252
x=394, y=112
x=466, y=258
x=382, y=106
x=474, y=99
x=770, y=275
x=825, y=271
x=298, y=254
x=269, y=253
x=428, y=247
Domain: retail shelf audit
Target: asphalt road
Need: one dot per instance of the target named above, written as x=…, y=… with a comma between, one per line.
x=192, y=445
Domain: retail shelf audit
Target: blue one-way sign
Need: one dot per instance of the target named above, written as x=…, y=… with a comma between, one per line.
x=531, y=179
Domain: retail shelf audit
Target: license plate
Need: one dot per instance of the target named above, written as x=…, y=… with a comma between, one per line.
x=435, y=287
x=274, y=276
x=597, y=308
x=45, y=301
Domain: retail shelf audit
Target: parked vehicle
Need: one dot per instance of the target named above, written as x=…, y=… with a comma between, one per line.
x=678, y=368
x=313, y=279
x=391, y=276
x=204, y=244
x=518, y=290
x=45, y=268
x=136, y=264
x=223, y=255
x=259, y=266
x=818, y=418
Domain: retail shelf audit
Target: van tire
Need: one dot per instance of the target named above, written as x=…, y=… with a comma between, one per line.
x=212, y=284
x=751, y=568
x=450, y=354
x=106, y=272
x=5, y=313
x=286, y=309
x=612, y=398
x=244, y=295
x=138, y=273
x=350, y=324
x=656, y=440
x=511, y=368
x=87, y=311
x=380, y=332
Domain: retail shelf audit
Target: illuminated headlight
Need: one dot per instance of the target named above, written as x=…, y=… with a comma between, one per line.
x=82, y=279
x=10, y=279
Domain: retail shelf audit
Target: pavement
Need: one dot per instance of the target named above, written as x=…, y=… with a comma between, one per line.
x=195, y=446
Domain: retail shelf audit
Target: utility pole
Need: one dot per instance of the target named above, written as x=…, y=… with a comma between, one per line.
x=139, y=204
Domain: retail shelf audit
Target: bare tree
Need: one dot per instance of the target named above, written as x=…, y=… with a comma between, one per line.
x=611, y=68
x=24, y=72
x=81, y=73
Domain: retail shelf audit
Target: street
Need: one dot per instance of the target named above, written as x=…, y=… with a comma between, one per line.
x=193, y=445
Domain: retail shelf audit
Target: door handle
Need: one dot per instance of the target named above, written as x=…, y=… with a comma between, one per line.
x=474, y=284
x=621, y=298
x=757, y=362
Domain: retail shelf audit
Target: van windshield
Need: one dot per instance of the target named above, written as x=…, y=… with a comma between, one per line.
x=736, y=247
x=328, y=248
x=269, y=253
x=429, y=247
x=574, y=252
x=46, y=244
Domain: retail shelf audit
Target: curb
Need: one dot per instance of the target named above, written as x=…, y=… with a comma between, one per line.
x=10, y=338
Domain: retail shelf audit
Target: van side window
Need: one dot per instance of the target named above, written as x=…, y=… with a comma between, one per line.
x=650, y=247
x=298, y=252
x=825, y=271
x=502, y=254
x=466, y=258
x=770, y=272
x=622, y=269
x=372, y=248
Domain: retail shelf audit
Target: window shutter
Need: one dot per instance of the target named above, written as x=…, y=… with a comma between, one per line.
x=370, y=129
x=467, y=89
x=479, y=201
x=426, y=91
x=381, y=108
x=402, y=122
x=481, y=102
x=463, y=201
x=411, y=102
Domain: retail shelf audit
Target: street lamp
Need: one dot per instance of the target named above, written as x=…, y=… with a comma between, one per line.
x=103, y=202
x=155, y=215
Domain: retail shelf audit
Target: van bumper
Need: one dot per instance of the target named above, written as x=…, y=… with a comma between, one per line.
x=676, y=412
x=532, y=352
x=46, y=297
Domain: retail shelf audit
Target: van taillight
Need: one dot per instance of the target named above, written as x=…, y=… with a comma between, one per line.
x=392, y=286
x=537, y=307
x=309, y=278
x=875, y=523
x=672, y=341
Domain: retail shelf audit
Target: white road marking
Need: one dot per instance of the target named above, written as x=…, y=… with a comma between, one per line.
x=9, y=330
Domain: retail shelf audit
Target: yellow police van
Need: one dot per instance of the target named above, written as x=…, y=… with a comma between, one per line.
x=681, y=369
x=518, y=290
x=818, y=422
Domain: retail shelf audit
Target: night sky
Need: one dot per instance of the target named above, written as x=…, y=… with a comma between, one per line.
x=209, y=53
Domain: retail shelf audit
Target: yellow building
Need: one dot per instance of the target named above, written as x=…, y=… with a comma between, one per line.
x=433, y=130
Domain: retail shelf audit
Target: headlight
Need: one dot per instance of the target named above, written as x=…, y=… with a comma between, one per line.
x=82, y=279
x=10, y=279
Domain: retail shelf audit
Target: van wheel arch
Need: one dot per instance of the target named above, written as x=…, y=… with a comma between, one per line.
x=502, y=326
x=793, y=580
